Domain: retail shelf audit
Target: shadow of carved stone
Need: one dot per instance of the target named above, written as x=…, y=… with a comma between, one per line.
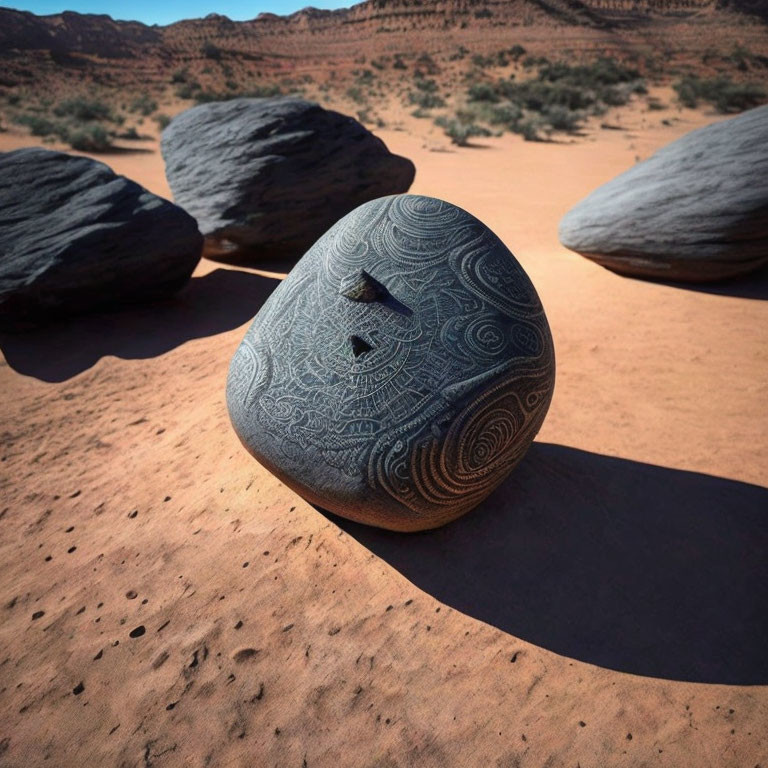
x=267, y=177
x=401, y=370
x=696, y=210
x=76, y=237
x=630, y=566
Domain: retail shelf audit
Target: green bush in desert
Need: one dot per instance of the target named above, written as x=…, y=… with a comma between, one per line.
x=356, y=95
x=211, y=51
x=425, y=100
x=425, y=96
x=517, y=52
x=529, y=129
x=556, y=98
x=459, y=131
x=725, y=95
x=482, y=92
x=144, y=105
x=561, y=118
x=613, y=96
x=163, y=121
x=507, y=114
x=41, y=126
x=84, y=110
x=91, y=138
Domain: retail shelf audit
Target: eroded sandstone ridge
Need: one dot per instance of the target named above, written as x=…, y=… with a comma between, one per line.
x=271, y=175
x=695, y=210
x=400, y=371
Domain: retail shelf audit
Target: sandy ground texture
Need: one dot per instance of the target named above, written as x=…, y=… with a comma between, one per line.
x=167, y=602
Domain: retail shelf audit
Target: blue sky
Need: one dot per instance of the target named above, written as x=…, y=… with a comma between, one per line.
x=167, y=11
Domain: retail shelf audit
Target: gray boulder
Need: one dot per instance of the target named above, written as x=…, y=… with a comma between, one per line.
x=695, y=210
x=269, y=176
x=75, y=236
x=400, y=371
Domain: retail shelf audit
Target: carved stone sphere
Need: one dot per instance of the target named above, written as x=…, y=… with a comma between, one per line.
x=400, y=371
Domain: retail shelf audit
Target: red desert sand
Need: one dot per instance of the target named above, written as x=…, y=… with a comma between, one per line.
x=167, y=601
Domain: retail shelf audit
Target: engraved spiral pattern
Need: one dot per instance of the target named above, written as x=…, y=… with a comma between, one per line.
x=407, y=409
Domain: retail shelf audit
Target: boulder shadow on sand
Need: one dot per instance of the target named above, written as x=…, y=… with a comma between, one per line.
x=752, y=286
x=210, y=304
x=629, y=566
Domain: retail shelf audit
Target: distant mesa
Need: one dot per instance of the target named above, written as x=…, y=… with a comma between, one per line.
x=269, y=176
x=402, y=369
x=696, y=210
x=75, y=237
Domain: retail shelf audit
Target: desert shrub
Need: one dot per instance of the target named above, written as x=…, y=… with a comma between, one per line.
x=355, y=94
x=84, y=110
x=613, y=96
x=427, y=63
x=687, y=91
x=556, y=98
x=425, y=96
x=145, y=105
x=529, y=129
x=425, y=85
x=399, y=63
x=40, y=126
x=459, y=131
x=517, y=52
x=742, y=57
x=561, y=118
x=725, y=95
x=180, y=76
x=163, y=121
x=90, y=138
x=655, y=104
x=506, y=114
x=537, y=95
x=482, y=92
x=483, y=13
x=188, y=90
x=426, y=100
x=482, y=62
x=364, y=76
x=529, y=62
x=599, y=76
x=211, y=51
x=736, y=97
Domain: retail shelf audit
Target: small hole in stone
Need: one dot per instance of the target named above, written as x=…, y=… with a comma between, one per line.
x=359, y=346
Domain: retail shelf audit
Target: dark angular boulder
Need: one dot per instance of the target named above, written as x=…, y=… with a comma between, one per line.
x=75, y=236
x=269, y=176
x=696, y=210
x=400, y=371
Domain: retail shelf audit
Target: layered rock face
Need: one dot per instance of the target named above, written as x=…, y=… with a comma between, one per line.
x=74, y=237
x=400, y=371
x=696, y=210
x=269, y=176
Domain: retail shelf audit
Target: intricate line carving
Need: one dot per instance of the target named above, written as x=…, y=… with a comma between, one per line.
x=401, y=370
